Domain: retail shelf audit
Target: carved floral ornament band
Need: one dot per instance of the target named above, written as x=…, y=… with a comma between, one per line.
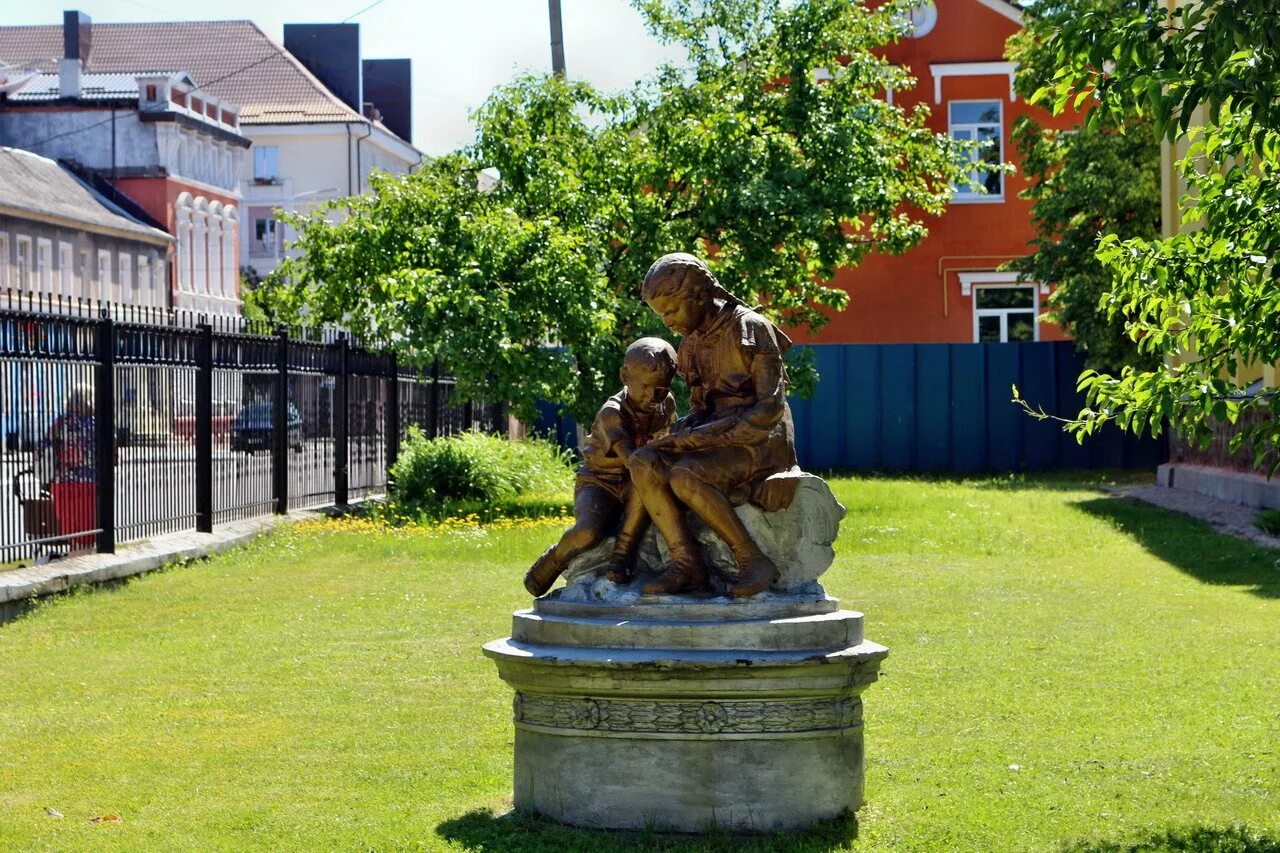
x=706, y=717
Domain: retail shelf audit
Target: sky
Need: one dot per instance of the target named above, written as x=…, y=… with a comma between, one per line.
x=460, y=49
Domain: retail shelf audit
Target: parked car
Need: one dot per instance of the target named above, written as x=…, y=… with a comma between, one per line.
x=254, y=427
x=224, y=416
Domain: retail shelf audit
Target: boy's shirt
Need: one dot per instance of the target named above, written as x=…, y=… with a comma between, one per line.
x=619, y=421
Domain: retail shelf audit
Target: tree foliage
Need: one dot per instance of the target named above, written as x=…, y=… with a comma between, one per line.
x=1206, y=298
x=748, y=152
x=1082, y=183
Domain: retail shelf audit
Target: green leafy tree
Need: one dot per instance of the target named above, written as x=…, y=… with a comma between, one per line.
x=1206, y=299
x=1084, y=182
x=770, y=149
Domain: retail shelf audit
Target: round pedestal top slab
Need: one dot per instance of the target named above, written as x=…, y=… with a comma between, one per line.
x=606, y=601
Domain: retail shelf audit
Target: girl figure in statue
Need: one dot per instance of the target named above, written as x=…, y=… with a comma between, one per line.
x=737, y=435
x=642, y=411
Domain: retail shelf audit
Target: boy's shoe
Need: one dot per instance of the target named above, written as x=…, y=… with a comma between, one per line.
x=619, y=567
x=755, y=573
x=618, y=570
x=683, y=572
x=543, y=573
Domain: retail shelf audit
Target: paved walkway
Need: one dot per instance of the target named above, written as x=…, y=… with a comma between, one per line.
x=1223, y=516
x=20, y=585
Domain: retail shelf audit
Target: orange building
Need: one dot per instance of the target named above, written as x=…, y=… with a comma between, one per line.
x=947, y=289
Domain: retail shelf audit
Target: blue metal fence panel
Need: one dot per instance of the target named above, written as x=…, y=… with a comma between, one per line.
x=933, y=415
x=943, y=408
x=968, y=401
x=861, y=391
x=1066, y=372
x=823, y=426
x=1004, y=420
x=1038, y=385
x=949, y=407
x=557, y=425
x=898, y=408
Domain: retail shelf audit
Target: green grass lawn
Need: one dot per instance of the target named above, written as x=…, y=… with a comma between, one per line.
x=1067, y=670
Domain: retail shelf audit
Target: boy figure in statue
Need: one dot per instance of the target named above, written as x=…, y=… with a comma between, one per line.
x=737, y=435
x=642, y=411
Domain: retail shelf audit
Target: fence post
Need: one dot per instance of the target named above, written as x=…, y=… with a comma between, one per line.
x=104, y=422
x=280, y=426
x=204, y=429
x=433, y=410
x=469, y=414
x=342, y=422
x=393, y=412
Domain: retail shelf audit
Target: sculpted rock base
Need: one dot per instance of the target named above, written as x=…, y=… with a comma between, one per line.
x=683, y=714
x=798, y=539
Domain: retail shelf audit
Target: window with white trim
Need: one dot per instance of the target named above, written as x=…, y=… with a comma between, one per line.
x=159, y=284
x=266, y=237
x=1005, y=314
x=104, y=276
x=126, y=279
x=923, y=19
x=86, y=276
x=4, y=260
x=979, y=123
x=146, y=295
x=66, y=270
x=22, y=263
x=265, y=163
x=44, y=264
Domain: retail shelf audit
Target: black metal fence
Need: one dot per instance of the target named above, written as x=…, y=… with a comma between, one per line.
x=118, y=424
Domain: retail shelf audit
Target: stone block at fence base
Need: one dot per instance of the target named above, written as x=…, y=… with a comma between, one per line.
x=688, y=714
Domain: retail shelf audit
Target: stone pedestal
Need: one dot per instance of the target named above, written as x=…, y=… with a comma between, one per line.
x=686, y=714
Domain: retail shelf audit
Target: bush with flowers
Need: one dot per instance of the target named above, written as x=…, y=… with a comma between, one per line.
x=476, y=474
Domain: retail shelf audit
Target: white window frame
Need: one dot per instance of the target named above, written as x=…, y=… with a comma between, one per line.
x=266, y=164
x=941, y=70
x=105, y=275
x=993, y=280
x=86, y=275
x=965, y=196
x=24, y=262
x=159, y=282
x=274, y=228
x=145, y=282
x=44, y=264
x=126, y=278
x=924, y=18
x=66, y=270
x=4, y=260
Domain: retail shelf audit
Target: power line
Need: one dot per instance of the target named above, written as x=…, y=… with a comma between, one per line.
x=201, y=86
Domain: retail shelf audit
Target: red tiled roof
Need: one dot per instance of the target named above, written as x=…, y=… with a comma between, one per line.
x=232, y=60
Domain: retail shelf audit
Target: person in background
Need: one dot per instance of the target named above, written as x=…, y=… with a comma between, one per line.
x=71, y=440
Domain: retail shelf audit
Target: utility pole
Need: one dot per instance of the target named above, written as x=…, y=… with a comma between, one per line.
x=557, y=38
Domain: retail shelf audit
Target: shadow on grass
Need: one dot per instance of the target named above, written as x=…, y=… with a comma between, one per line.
x=485, y=832
x=1065, y=480
x=1199, y=839
x=1191, y=546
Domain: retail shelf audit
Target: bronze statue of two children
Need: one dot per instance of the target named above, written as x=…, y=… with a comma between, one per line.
x=641, y=464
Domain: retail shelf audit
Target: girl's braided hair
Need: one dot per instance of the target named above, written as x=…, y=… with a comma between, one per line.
x=682, y=274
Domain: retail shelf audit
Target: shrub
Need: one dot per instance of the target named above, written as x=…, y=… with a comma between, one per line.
x=1268, y=521
x=477, y=472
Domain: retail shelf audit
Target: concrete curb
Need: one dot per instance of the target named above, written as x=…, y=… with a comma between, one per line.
x=1224, y=517
x=20, y=585
x=1237, y=487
